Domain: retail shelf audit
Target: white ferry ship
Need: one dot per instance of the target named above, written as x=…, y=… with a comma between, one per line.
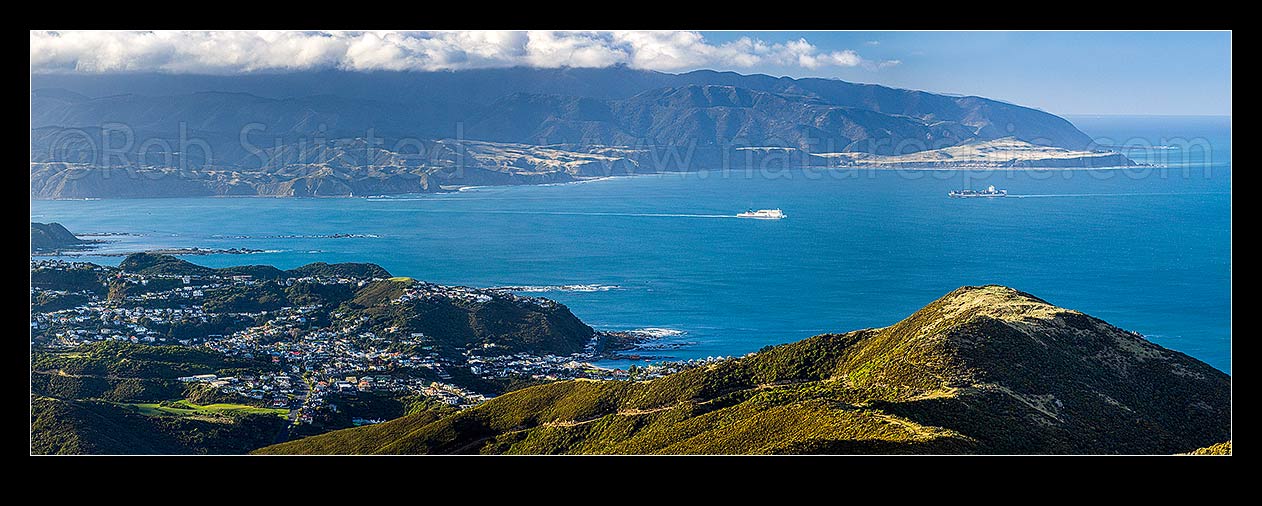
x=990, y=191
x=763, y=214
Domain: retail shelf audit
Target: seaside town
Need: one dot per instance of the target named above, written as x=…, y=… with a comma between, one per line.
x=314, y=351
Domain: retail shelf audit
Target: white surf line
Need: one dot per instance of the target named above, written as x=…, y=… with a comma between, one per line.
x=1116, y=194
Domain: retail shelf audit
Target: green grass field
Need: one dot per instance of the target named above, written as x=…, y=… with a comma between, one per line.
x=187, y=408
x=401, y=279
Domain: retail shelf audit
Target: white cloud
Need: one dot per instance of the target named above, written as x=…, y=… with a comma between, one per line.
x=570, y=49
x=173, y=51
x=227, y=52
x=664, y=50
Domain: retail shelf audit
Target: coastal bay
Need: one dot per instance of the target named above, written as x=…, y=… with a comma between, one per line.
x=860, y=249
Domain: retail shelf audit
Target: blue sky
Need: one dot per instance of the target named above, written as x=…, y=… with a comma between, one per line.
x=1159, y=73
x=1173, y=73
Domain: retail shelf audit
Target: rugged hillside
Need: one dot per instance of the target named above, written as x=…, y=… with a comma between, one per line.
x=53, y=237
x=425, y=101
x=456, y=319
x=981, y=370
x=702, y=114
x=731, y=115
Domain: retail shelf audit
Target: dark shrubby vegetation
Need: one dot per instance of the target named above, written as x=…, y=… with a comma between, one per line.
x=106, y=388
x=220, y=324
x=125, y=372
x=92, y=427
x=261, y=272
x=453, y=325
x=75, y=395
x=155, y=264
x=44, y=302
x=348, y=269
x=265, y=296
x=117, y=359
x=69, y=280
x=308, y=294
x=120, y=288
x=378, y=406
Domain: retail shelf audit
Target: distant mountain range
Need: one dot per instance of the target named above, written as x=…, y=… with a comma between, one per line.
x=401, y=132
x=987, y=370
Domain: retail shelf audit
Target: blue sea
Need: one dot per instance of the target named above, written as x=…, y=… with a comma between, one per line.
x=1146, y=249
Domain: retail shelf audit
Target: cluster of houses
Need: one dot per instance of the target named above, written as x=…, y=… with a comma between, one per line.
x=544, y=367
x=66, y=265
x=100, y=321
x=425, y=291
x=345, y=357
x=452, y=394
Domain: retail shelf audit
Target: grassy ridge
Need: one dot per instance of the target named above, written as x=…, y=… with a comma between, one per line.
x=981, y=370
x=184, y=408
x=781, y=400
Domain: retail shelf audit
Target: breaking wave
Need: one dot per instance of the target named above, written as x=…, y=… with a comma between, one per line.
x=557, y=288
x=656, y=332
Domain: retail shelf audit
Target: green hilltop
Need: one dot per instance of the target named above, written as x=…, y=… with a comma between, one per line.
x=47, y=237
x=981, y=370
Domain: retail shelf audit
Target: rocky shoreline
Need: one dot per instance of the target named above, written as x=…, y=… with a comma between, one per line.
x=627, y=344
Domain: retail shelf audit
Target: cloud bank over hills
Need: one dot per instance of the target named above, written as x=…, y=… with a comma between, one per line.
x=235, y=52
